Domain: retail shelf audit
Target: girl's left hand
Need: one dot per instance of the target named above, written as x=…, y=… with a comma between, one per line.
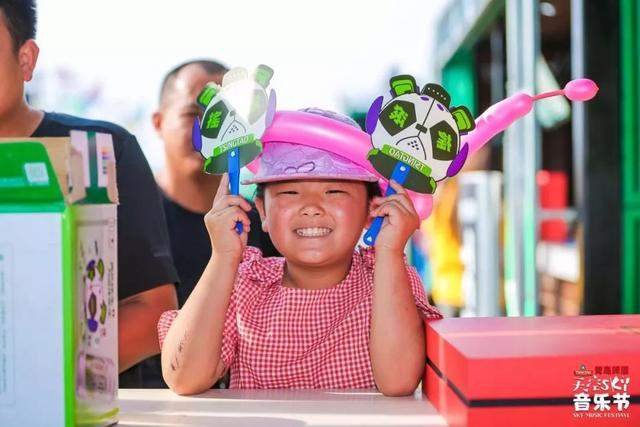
x=401, y=219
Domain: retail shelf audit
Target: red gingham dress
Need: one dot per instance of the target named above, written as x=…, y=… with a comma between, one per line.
x=280, y=337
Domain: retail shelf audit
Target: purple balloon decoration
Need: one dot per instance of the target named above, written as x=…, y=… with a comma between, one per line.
x=372, y=115
x=196, y=137
x=458, y=162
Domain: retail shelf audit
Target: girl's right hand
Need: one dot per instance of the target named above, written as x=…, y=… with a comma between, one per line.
x=221, y=222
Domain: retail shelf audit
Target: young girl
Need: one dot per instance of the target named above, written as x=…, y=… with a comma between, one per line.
x=324, y=315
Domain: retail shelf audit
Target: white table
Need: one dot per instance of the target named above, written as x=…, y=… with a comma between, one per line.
x=282, y=408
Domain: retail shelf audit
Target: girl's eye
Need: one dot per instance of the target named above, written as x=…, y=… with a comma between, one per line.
x=288, y=192
x=336, y=192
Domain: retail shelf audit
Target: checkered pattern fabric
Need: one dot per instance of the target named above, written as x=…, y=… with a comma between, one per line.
x=280, y=337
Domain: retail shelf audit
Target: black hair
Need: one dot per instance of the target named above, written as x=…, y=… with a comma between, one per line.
x=373, y=190
x=20, y=19
x=211, y=67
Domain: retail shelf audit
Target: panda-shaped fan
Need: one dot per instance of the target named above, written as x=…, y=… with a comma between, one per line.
x=416, y=138
x=236, y=115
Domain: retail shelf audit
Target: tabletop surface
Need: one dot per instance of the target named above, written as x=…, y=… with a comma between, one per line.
x=282, y=408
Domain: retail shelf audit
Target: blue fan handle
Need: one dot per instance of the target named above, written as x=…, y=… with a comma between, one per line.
x=399, y=175
x=233, y=158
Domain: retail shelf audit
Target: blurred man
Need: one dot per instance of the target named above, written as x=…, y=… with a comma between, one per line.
x=187, y=191
x=146, y=275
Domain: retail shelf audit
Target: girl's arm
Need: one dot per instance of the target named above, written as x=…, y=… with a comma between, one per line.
x=397, y=344
x=191, y=350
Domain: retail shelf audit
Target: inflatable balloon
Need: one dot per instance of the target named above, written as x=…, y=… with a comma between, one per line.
x=500, y=116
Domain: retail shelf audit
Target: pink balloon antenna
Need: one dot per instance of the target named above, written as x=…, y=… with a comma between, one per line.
x=575, y=90
x=500, y=116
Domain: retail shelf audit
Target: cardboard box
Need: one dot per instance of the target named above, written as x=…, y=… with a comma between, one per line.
x=58, y=281
x=533, y=371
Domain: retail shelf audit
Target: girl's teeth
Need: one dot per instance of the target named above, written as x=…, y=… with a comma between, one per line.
x=313, y=232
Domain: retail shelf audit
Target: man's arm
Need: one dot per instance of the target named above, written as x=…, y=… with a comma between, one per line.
x=146, y=274
x=138, y=317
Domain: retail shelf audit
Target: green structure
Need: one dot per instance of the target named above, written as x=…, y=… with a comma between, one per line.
x=601, y=41
x=630, y=57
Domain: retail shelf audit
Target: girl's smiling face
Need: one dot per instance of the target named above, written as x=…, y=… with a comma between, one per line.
x=314, y=222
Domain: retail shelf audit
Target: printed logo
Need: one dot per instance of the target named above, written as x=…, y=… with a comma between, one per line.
x=601, y=392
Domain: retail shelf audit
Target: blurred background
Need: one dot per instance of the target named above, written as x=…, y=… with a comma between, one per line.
x=545, y=220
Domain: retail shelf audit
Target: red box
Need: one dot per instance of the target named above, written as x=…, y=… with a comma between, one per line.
x=522, y=371
x=553, y=190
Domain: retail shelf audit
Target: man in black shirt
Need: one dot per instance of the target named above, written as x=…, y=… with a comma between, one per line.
x=146, y=275
x=187, y=191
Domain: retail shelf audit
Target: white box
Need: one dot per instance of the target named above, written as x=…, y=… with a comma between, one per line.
x=58, y=285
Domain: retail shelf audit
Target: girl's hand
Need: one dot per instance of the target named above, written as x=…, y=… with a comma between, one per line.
x=401, y=219
x=221, y=222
